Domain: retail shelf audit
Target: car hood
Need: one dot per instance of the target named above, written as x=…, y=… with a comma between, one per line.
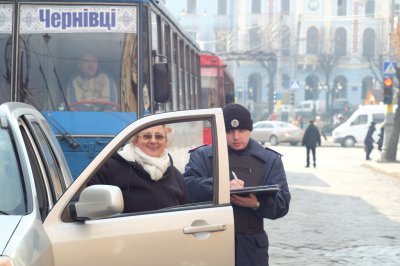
x=8, y=224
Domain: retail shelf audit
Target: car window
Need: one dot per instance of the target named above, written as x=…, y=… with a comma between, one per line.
x=378, y=118
x=43, y=194
x=52, y=166
x=123, y=169
x=360, y=120
x=13, y=197
x=261, y=125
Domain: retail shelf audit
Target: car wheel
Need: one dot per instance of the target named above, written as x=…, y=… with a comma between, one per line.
x=273, y=141
x=348, y=142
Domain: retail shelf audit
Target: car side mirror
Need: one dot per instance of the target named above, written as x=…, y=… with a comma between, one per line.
x=96, y=202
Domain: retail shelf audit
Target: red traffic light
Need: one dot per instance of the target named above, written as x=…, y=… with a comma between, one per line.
x=388, y=82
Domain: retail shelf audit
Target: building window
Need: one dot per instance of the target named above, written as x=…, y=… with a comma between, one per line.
x=370, y=8
x=396, y=10
x=192, y=35
x=341, y=7
x=191, y=6
x=222, y=7
x=340, y=42
x=256, y=7
x=369, y=43
x=285, y=7
x=222, y=41
x=286, y=41
x=312, y=41
x=254, y=37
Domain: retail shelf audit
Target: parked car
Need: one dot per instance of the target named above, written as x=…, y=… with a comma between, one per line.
x=46, y=219
x=276, y=132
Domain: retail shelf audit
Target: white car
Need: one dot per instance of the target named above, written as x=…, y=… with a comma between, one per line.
x=276, y=132
x=46, y=219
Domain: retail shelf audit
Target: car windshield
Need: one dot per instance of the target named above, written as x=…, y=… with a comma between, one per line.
x=11, y=188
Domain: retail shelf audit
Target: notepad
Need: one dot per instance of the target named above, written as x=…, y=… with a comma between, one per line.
x=269, y=189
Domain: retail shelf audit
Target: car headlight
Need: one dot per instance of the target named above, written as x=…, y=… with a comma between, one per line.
x=5, y=261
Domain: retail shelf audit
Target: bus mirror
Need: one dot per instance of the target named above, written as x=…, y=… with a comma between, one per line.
x=162, y=82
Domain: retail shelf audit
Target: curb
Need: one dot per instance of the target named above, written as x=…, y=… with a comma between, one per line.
x=391, y=168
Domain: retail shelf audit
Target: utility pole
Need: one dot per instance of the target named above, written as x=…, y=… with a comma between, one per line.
x=389, y=117
x=294, y=65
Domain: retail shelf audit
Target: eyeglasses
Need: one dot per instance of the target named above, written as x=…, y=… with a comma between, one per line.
x=148, y=136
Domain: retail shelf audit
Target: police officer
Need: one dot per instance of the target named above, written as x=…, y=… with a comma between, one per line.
x=253, y=165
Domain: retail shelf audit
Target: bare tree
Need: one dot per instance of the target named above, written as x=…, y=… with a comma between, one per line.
x=328, y=62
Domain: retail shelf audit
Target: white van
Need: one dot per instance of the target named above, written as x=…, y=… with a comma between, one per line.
x=355, y=128
x=307, y=107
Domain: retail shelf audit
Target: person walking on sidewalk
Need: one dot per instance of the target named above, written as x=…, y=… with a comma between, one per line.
x=311, y=138
x=369, y=141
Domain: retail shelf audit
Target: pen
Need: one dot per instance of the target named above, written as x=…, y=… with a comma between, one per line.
x=234, y=175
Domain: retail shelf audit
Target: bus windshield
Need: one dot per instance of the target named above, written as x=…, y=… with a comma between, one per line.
x=78, y=57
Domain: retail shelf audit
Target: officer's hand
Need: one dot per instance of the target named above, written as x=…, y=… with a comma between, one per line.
x=236, y=183
x=249, y=201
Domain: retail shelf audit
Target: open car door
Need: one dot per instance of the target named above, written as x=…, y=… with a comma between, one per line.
x=200, y=233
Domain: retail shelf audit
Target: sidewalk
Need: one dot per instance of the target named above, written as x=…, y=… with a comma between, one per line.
x=389, y=168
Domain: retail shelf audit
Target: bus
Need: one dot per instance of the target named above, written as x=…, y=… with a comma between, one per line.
x=217, y=85
x=93, y=67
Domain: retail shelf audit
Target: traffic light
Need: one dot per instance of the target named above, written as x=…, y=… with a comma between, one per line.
x=292, y=98
x=387, y=90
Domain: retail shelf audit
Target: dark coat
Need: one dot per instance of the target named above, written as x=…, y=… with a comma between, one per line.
x=369, y=140
x=199, y=171
x=140, y=192
x=311, y=137
x=250, y=248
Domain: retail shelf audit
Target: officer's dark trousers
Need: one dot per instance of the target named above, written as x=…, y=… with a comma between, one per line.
x=312, y=149
x=251, y=249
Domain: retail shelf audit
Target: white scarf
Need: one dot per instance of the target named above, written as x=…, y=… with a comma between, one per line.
x=155, y=166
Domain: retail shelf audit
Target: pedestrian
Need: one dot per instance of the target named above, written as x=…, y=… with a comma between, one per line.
x=381, y=135
x=254, y=165
x=320, y=125
x=311, y=138
x=369, y=141
x=144, y=171
x=300, y=122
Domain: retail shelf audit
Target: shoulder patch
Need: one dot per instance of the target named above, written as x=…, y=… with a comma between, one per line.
x=192, y=150
x=277, y=153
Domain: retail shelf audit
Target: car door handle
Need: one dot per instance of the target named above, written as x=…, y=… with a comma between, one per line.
x=204, y=228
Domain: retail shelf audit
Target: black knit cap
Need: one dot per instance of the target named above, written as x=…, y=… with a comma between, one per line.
x=237, y=117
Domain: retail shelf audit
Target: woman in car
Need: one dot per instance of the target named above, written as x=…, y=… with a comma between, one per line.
x=145, y=173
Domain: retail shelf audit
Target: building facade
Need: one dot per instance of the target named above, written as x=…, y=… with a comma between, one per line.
x=283, y=52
